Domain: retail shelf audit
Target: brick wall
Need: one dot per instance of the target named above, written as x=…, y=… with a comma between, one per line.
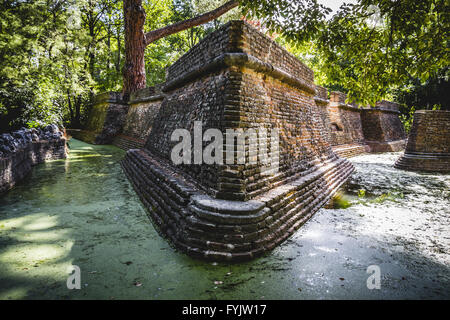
x=201, y=100
x=26, y=148
x=353, y=130
x=249, y=90
x=236, y=78
x=238, y=37
x=346, y=127
x=430, y=132
x=143, y=108
x=381, y=125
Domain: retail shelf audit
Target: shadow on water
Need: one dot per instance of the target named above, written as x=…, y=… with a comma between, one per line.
x=82, y=211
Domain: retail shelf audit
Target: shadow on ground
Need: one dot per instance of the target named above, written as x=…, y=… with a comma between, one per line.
x=82, y=211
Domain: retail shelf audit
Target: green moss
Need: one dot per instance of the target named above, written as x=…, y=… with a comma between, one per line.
x=341, y=201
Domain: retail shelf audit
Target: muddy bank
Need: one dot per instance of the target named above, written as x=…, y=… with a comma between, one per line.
x=82, y=211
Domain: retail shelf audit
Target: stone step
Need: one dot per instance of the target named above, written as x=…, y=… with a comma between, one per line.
x=216, y=229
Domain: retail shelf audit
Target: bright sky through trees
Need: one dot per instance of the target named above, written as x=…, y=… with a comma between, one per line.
x=334, y=4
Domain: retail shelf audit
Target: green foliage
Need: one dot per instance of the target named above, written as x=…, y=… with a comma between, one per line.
x=341, y=201
x=369, y=48
x=410, y=40
x=407, y=118
x=41, y=61
x=390, y=196
x=426, y=94
x=55, y=55
x=361, y=193
x=297, y=20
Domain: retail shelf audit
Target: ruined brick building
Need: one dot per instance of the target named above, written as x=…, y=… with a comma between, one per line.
x=234, y=78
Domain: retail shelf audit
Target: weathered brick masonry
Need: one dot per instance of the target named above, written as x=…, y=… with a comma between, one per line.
x=352, y=130
x=106, y=118
x=347, y=136
x=349, y=129
x=237, y=78
x=428, y=147
x=143, y=108
x=25, y=148
x=383, y=130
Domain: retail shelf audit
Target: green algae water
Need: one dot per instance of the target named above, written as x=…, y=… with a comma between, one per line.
x=83, y=211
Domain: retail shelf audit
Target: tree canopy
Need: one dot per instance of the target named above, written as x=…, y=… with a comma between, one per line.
x=56, y=54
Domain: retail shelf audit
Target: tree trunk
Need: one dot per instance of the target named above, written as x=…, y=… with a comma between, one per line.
x=134, y=68
x=154, y=35
x=118, y=52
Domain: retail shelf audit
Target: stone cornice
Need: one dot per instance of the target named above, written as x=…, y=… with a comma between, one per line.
x=148, y=94
x=321, y=101
x=241, y=60
x=381, y=109
x=146, y=99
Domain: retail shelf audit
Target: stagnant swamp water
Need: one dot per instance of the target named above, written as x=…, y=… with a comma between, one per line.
x=82, y=211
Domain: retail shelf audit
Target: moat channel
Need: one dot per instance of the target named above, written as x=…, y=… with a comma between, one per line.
x=83, y=211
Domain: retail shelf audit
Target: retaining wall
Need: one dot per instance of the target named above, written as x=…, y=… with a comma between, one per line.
x=353, y=130
x=383, y=130
x=25, y=148
x=143, y=108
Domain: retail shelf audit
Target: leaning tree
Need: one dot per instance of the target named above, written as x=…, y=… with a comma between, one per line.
x=409, y=39
x=136, y=40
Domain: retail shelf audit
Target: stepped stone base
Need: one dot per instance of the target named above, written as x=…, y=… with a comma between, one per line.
x=426, y=162
x=391, y=146
x=225, y=230
x=126, y=142
x=428, y=147
x=350, y=150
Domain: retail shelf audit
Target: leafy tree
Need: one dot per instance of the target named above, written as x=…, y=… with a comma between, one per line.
x=433, y=93
x=373, y=47
x=29, y=51
x=56, y=54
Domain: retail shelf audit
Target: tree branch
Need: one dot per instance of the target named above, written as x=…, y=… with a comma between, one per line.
x=154, y=35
